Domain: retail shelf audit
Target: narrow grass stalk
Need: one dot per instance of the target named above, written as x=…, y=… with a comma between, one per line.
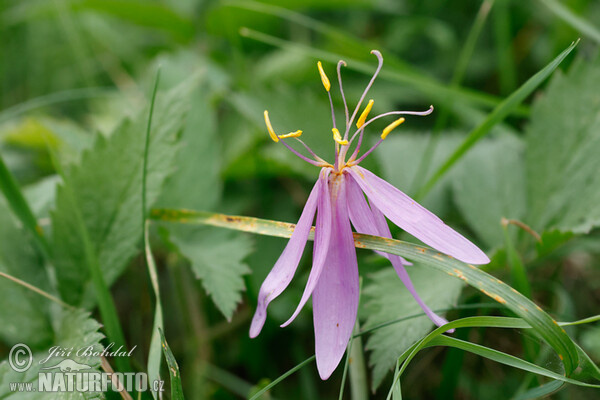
x=156, y=341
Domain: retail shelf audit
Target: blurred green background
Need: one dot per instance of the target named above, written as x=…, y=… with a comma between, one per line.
x=71, y=70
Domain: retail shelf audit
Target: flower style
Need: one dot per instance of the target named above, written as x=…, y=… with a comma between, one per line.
x=338, y=200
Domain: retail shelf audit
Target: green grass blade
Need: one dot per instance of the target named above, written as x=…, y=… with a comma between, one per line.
x=574, y=20
x=176, y=387
x=541, y=392
x=18, y=204
x=154, y=353
x=505, y=359
x=496, y=116
x=282, y=377
x=543, y=324
x=436, y=338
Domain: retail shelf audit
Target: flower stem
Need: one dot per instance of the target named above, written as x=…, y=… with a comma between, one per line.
x=359, y=386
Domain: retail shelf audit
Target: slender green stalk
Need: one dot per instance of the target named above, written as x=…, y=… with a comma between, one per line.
x=507, y=74
x=359, y=384
x=36, y=290
x=517, y=269
x=156, y=341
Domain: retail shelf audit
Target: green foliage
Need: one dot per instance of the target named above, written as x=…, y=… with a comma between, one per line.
x=105, y=189
x=490, y=184
x=217, y=259
x=24, y=314
x=72, y=329
x=563, y=143
x=71, y=203
x=385, y=299
x=176, y=389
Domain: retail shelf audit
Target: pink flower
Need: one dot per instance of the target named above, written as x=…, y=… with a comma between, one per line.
x=338, y=200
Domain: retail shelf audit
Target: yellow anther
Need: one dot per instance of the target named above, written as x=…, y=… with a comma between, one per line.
x=391, y=127
x=270, y=127
x=364, y=115
x=291, y=134
x=324, y=77
x=337, y=137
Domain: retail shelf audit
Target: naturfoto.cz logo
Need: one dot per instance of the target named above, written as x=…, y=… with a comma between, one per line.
x=68, y=375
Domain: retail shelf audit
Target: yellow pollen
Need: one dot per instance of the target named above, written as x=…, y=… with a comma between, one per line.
x=337, y=137
x=270, y=127
x=324, y=77
x=298, y=133
x=391, y=127
x=364, y=115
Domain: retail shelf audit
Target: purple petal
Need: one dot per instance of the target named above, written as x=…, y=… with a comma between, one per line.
x=285, y=267
x=364, y=220
x=335, y=298
x=415, y=219
x=321, y=247
x=370, y=220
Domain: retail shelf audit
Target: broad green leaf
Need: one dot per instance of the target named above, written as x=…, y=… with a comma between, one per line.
x=23, y=313
x=105, y=188
x=489, y=184
x=73, y=329
x=563, y=143
x=217, y=259
x=385, y=298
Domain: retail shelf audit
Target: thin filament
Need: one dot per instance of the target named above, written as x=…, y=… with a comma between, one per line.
x=361, y=130
x=380, y=60
x=312, y=153
x=367, y=153
x=308, y=160
x=339, y=74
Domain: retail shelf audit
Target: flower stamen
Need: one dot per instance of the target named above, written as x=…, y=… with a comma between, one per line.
x=338, y=137
x=272, y=133
x=296, y=134
x=324, y=77
x=365, y=114
x=391, y=127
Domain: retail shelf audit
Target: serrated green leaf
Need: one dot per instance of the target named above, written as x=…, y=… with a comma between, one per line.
x=23, y=313
x=385, y=298
x=489, y=184
x=106, y=188
x=73, y=329
x=563, y=143
x=217, y=259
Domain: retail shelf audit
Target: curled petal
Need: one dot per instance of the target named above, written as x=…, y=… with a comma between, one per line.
x=415, y=219
x=335, y=298
x=321, y=247
x=285, y=267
